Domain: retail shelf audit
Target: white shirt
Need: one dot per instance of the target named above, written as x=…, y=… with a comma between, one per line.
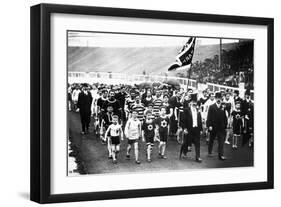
x=115, y=130
x=132, y=129
x=75, y=94
x=194, y=117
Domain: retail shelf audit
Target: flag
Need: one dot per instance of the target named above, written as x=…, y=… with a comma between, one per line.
x=184, y=58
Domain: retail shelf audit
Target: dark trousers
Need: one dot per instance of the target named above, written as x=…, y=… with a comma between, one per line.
x=85, y=120
x=193, y=136
x=173, y=125
x=220, y=135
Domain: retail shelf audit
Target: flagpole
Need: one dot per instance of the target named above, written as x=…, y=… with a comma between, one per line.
x=188, y=76
x=220, y=54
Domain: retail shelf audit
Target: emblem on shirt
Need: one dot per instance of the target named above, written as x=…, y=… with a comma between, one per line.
x=150, y=127
x=164, y=123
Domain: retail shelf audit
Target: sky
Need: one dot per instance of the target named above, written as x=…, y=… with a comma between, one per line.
x=91, y=39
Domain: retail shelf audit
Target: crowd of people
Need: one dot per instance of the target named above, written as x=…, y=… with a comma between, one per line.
x=159, y=114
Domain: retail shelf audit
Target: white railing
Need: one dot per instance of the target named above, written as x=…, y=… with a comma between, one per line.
x=216, y=87
x=91, y=77
x=116, y=78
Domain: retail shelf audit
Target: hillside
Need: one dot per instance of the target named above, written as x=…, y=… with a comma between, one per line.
x=135, y=60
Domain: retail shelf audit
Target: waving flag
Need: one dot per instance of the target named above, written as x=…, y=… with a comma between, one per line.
x=184, y=58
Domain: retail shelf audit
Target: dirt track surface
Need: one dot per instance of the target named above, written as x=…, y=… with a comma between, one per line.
x=92, y=156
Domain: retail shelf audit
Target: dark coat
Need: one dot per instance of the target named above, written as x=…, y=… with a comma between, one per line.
x=247, y=107
x=174, y=102
x=84, y=102
x=216, y=118
x=186, y=121
x=248, y=112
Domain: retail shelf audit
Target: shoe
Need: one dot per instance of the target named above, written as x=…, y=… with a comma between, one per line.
x=127, y=157
x=222, y=158
x=138, y=162
x=114, y=161
x=163, y=157
x=148, y=160
x=198, y=160
x=110, y=157
x=227, y=142
x=83, y=132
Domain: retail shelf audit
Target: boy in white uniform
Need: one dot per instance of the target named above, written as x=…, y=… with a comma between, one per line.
x=116, y=133
x=133, y=133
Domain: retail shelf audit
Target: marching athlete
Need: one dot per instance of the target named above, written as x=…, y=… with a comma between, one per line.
x=157, y=103
x=148, y=133
x=139, y=108
x=106, y=121
x=116, y=133
x=237, y=124
x=133, y=133
x=163, y=125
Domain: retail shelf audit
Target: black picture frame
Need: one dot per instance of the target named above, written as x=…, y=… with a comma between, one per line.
x=40, y=102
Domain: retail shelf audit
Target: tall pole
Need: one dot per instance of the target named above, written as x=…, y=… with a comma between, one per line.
x=220, y=54
x=188, y=76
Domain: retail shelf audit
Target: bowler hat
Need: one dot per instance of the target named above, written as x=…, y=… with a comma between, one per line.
x=218, y=95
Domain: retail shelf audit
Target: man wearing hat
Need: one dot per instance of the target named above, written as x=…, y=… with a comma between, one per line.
x=247, y=102
x=217, y=124
x=175, y=104
x=84, y=104
x=236, y=97
x=248, y=112
x=192, y=126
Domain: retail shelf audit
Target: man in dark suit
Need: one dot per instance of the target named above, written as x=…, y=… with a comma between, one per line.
x=192, y=126
x=217, y=124
x=174, y=103
x=84, y=104
x=248, y=113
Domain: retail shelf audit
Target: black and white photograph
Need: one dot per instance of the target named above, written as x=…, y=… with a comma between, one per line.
x=134, y=103
x=146, y=103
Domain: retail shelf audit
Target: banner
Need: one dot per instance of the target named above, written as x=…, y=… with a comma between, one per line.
x=184, y=58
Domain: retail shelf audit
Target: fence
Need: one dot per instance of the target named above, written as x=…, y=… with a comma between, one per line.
x=91, y=77
x=215, y=87
x=116, y=78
